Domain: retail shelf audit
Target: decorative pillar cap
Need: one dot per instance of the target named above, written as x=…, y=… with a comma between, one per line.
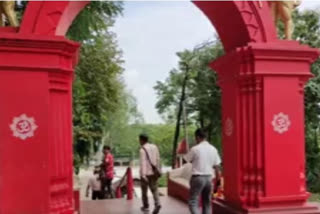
x=275, y=52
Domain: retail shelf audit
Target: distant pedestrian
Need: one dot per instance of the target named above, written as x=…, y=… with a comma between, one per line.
x=150, y=170
x=95, y=185
x=108, y=164
x=204, y=158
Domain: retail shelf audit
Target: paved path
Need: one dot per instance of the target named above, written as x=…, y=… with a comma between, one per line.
x=122, y=206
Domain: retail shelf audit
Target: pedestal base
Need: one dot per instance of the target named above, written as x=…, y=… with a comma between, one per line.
x=219, y=207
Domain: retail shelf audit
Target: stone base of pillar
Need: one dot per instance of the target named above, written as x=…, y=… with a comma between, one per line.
x=219, y=207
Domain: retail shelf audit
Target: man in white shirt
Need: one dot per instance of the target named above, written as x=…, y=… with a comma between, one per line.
x=205, y=159
x=95, y=185
x=149, y=155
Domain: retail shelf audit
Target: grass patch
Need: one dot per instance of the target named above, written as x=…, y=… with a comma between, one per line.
x=163, y=181
x=315, y=197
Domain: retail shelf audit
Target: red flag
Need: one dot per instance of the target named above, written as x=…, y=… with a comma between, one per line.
x=183, y=147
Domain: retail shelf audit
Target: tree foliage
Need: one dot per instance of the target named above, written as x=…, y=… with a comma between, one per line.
x=120, y=132
x=95, y=20
x=202, y=93
x=96, y=93
x=126, y=142
x=98, y=85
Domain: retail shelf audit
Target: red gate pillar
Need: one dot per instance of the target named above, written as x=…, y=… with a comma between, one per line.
x=36, y=124
x=263, y=128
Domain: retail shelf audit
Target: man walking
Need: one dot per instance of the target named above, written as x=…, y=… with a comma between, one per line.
x=204, y=158
x=149, y=171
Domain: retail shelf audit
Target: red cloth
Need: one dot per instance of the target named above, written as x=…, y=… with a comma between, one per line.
x=109, y=166
x=183, y=147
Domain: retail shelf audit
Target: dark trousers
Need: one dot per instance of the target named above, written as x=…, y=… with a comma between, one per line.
x=96, y=195
x=200, y=185
x=107, y=184
x=152, y=183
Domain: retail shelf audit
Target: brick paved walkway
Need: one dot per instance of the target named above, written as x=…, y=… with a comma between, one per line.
x=122, y=206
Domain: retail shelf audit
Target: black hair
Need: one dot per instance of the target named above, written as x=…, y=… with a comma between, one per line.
x=200, y=133
x=144, y=137
x=107, y=148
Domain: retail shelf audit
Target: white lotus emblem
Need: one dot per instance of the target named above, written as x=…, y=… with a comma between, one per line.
x=23, y=126
x=281, y=123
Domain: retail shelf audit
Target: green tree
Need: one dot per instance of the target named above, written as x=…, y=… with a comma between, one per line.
x=202, y=92
x=96, y=91
x=95, y=20
x=98, y=85
x=122, y=127
x=127, y=144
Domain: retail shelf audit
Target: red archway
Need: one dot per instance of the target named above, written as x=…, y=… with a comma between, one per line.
x=260, y=126
x=247, y=22
x=50, y=18
x=248, y=19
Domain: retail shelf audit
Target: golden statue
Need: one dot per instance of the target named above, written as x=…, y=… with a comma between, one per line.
x=283, y=10
x=7, y=10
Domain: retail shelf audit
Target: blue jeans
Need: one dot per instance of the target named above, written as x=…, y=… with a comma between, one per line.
x=200, y=185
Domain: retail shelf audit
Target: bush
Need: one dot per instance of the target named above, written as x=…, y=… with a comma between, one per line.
x=163, y=181
x=313, y=160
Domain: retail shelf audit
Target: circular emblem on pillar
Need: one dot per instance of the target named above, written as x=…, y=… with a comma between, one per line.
x=281, y=123
x=228, y=127
x=23, y=127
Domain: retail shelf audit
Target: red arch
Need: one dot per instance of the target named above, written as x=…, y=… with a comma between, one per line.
x=240, y=22
x=247, y=78
x=50, y=17
x=237, y=22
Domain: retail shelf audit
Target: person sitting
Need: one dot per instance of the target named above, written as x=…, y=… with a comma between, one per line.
x=95, y=185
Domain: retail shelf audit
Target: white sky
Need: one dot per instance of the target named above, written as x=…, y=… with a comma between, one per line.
x=150, y=33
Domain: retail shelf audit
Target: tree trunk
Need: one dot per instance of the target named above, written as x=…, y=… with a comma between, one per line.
x=177, y=131
x=209, y=131
x=201, y=120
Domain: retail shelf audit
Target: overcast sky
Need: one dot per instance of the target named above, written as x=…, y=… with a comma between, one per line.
x=149, y=34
